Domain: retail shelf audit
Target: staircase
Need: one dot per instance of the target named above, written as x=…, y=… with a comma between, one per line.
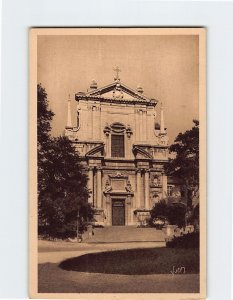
x=125, y=234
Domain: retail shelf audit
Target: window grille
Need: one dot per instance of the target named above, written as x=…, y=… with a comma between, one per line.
x=117, y=145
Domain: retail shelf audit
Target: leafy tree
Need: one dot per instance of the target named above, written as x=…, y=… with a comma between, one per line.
x=62, y=191
x=44, y=117
x=185, y=165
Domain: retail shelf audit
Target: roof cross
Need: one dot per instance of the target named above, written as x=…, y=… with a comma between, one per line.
x=117, y=70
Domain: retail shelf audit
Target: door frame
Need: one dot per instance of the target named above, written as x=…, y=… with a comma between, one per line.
x=125, y=213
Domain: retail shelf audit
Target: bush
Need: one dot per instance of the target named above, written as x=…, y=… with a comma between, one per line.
x=174, y=212
x=190, y=240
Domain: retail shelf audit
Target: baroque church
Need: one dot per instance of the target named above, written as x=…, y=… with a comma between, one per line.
x=123, y=150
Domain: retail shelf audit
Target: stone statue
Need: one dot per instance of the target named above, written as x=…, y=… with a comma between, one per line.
x=128, y=187
x=108, y=187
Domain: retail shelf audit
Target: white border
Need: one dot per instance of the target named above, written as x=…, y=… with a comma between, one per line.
x=17, y=17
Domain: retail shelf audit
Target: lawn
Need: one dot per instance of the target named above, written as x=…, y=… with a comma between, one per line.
x=135, y=261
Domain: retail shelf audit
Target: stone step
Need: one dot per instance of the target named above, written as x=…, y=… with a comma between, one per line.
x=119, y=234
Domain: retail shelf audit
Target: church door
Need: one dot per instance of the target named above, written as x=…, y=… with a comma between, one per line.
x=118, y=212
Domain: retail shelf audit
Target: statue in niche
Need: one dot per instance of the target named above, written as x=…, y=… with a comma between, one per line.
x=108, y=187
x=128, y=187
x=156, y=180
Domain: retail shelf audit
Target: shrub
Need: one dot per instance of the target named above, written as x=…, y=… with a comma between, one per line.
x=174, y=212
x=190, y=240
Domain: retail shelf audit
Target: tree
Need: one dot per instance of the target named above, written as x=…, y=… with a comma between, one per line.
x=62, y=191
x=185, y=165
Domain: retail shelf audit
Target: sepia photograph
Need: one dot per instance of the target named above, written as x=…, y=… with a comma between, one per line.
x=117, y=163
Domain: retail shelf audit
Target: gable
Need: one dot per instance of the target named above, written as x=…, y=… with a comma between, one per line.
x=115, y=89
x=122, y=95
x=116, y=92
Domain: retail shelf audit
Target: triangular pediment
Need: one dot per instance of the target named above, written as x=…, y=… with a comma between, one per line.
x=116, y=90
x=121, y=95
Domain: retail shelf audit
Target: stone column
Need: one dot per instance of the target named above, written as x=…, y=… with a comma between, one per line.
x=90, y=185
x=164, y=185
x=147, y=191
x=99, y=188
x=138, y=202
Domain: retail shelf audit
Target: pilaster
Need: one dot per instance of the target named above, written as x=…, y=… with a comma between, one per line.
x=138, y=201
x=164, y=185
x=90, y=185
x=99, y=188
x=147, y=194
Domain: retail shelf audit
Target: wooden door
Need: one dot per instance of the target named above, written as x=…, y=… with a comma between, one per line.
x=118, y=212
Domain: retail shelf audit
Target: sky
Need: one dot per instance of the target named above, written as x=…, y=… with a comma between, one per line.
x=165, y=66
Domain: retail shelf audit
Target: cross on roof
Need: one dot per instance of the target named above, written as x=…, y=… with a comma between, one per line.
x=117, y=70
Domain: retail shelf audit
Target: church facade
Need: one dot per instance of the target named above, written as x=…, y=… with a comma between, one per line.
x=123, y=150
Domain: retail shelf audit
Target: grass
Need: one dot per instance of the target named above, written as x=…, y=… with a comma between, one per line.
x=135, y=261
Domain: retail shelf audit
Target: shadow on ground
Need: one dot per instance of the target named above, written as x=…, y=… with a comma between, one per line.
x=135, y=261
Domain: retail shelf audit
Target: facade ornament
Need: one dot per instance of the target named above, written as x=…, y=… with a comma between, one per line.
x=117, y=127
x=107, y=130
x=129, y=131
x=118, y=93
x=108, y=187
x=163, y=139
x=139, y=89
x=93, y=85
x=138, y=170
x=128, y=187
x=119, y=174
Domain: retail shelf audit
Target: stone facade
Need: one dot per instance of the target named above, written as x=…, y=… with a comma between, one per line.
x=122, y=149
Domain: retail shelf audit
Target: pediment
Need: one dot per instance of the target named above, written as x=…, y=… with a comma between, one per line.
x=140, y=153
x=121, y=95
x=118, y=91
x=96, y=151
